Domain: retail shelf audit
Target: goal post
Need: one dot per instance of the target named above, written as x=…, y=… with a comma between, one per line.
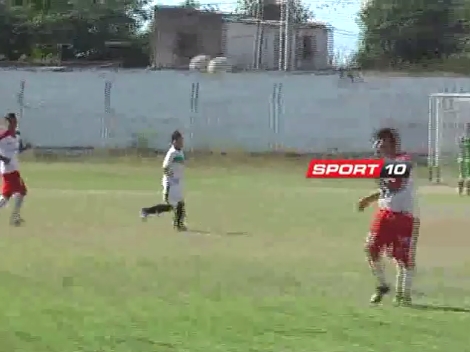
x=448, y=156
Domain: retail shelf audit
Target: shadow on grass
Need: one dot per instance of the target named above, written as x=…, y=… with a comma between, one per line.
x=198, y=232
x=236, y=233
x=228, y=233
x=439, y=308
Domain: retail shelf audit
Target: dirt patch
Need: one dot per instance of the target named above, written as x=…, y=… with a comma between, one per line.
x=444, y=239
x=445, y=224
x=450, y=232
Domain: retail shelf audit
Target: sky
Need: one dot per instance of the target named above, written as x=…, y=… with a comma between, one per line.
x=341, y=14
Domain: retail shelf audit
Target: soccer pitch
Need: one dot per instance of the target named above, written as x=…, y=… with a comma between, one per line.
x=274, y=263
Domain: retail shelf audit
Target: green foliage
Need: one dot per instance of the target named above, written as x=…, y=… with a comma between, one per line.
x=398, y=33
x=85, y=26
x=194, y=4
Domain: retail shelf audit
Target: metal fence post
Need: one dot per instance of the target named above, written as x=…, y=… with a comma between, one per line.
x=272, y=113
x=274, y=120
x=107, y=114
x=194, y=109
x=21, y=99
x=277, y=125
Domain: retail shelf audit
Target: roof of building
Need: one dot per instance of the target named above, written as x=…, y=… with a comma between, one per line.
x=238, y=18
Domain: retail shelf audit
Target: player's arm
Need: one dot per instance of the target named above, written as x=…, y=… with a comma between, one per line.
x=167, y=163
x=3, y=158
x=22, y=146
x=368, y=200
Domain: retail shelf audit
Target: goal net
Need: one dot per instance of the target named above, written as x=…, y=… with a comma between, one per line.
x=449, y=119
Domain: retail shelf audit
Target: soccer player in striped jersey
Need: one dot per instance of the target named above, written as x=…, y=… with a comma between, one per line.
x=13, y=185
x=395, y=226
x=173, y=169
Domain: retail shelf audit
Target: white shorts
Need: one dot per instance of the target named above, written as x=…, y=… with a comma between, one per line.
x=173, y=194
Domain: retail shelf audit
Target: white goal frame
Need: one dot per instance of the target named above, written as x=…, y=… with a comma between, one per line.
x=439, y=105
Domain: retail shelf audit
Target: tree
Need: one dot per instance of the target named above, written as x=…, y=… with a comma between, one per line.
x=86, y=25
x=410, y=31
x=194, y=4
x=15, y=35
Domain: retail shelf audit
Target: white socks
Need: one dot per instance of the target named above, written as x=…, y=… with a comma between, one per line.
x=3, y=201
x=400, y=283
x=408, y=281
x=404, y=280
x=18, y=199
x=18, y=202
x=378, y=269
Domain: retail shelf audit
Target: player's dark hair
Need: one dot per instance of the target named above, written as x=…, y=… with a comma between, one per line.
x=388, y=133
x=10, y=116
x=176, y=135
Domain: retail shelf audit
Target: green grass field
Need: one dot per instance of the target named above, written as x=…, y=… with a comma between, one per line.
x=274, y=263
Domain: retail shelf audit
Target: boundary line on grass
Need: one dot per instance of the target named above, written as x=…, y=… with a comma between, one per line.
x=123, y=192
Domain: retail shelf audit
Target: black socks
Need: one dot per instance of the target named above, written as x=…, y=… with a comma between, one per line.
x=180, y=213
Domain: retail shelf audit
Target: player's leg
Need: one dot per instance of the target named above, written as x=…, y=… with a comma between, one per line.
x=376, y=242
x=403, y=248
x=3, y=200
x=180, y=215
x=16, y=218
x=400, y=281
x=410, y=269
x=6, y=190
x=160, y=208
x=176, y=196
x=19, y=191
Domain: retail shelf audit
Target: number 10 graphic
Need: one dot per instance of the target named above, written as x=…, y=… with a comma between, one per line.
x=396, y=169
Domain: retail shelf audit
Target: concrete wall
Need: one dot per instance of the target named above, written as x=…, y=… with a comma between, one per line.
x=253, y=111
x=241, y=41
x=319, y=61
x=240, y=44
x=171, y=20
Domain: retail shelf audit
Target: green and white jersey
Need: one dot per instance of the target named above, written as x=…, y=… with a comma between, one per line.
x=174, y=161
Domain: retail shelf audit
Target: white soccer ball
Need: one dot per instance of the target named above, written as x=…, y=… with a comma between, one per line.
x=199, y=63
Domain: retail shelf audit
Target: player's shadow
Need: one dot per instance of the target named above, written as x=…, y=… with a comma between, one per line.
x=198, y=231
x=228, y=233
x=438, y=308
x=235, y=233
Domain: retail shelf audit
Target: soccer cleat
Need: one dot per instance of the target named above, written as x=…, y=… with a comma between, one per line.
x=143, y=215
x=398, y=299
x=406, y=301
x=181, y=228
x=379, y=294
x=401, y=300
x=460, y=186
x=16, y=222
